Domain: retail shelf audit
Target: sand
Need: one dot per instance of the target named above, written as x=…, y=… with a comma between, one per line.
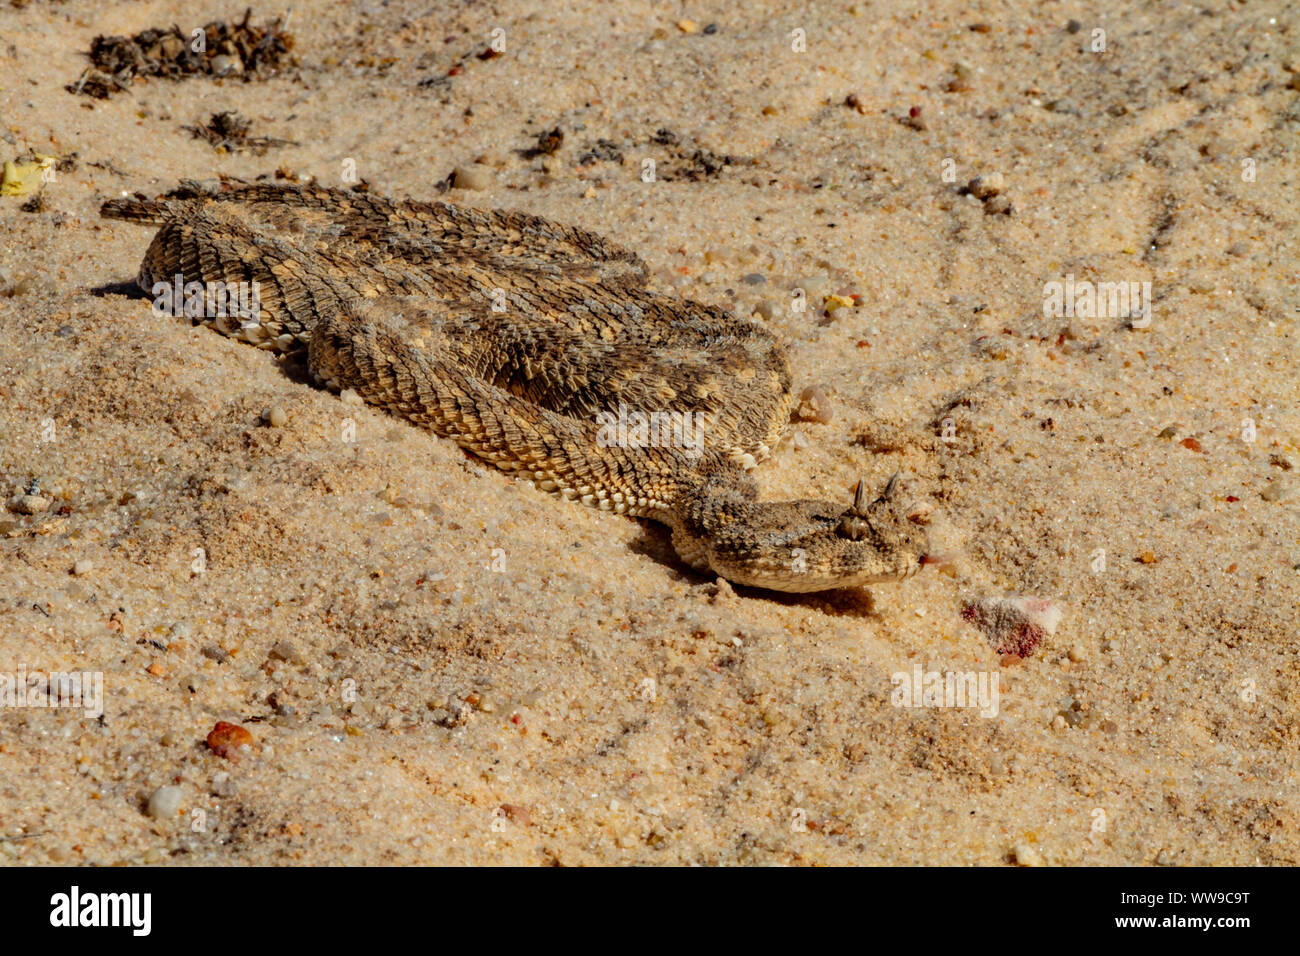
x=437, y=665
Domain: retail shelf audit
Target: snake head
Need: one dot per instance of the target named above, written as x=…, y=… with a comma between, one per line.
x=872, y=540
x=856, y=523
x=812, y=545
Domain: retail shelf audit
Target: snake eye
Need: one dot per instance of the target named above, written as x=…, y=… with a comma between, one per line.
x=852, y=527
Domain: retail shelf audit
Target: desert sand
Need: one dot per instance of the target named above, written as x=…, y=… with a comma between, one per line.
x=438, y=665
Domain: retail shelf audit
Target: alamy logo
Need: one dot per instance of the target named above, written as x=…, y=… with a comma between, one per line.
x=209, y=300
x=1101, y=300
x=83, y=689
x=103, y=909
x=946, y=689
x=634, y=429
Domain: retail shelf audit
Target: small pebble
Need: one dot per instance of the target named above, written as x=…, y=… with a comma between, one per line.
x=226, y=740
x=83, y=567
x=165, y=802
x=1277, y=491
x=920, y=512
x=987, y=186
x=214, y=653
x=837, y=301
x=153, y=855
x=814, y=406
x=285, y=651
x=518, y=813
x=223, y=785
x=223, y=65
x=471, y=177
x=275, y=416
x=29, y=504
x=1026, y=855
x=754, y=278
x=999, y=206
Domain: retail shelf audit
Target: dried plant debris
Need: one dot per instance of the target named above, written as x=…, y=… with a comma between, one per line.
x=547, y=144
x=228, y=130
x=604, y=151
x=218, y=49
x=687, y=162
x=675, y=159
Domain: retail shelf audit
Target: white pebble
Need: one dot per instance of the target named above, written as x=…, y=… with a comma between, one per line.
x=1026, y=855
x=29, y=504
x=165, y=802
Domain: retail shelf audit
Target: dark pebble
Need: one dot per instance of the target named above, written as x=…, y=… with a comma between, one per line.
x=215, y=653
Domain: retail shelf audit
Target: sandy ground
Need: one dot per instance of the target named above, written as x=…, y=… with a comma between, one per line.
x=438, y=665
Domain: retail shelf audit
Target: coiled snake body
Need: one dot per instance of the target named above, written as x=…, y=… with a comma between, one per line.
x=522, y=340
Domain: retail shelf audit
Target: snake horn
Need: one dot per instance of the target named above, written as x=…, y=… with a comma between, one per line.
x=860, y=497
x=892, y=486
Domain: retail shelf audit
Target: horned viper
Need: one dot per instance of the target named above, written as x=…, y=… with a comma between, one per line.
x=521, y=339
